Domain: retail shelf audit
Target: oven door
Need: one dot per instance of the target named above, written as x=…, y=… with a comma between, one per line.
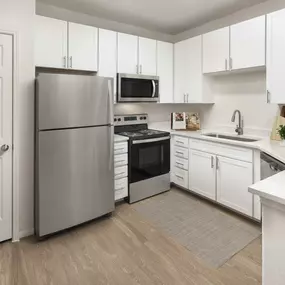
x=149, y=158
x=137, y=88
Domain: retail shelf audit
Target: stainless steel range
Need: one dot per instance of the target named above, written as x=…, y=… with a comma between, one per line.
x=149, y=156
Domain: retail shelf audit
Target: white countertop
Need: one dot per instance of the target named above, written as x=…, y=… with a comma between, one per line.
x=118, y=138
x=263, y=144
x=271, y=188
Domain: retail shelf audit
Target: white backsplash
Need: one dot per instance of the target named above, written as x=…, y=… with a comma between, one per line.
x=246, y=92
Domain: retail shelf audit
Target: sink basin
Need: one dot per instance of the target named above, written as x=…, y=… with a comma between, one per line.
x=234, y=138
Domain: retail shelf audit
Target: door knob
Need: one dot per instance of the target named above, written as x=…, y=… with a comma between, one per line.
x=4, y=147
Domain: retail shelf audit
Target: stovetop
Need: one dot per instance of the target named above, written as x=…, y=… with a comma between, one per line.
x=144, y=134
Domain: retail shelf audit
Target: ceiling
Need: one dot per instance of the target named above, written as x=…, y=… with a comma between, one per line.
x=166, y=16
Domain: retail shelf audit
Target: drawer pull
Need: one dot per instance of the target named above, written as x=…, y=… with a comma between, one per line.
x=118, y=149
x=180, y=177
x=178, y=163
x=121, y=173
x=180, y=152
x=120, y=189
x=120, y=161
x=180, y=142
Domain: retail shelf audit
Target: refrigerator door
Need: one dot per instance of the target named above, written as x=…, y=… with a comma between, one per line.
x=75, y=179
x=68, y=101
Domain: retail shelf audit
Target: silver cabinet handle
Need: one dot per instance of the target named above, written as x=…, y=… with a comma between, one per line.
x=226, y=64
x=140, y=69
x=217, y=163
x=180, y=177
x=184, y=97
x=64, y=62
x=212, y=162
x=268, y=96
x=187, y=98
x=120, y=189
x=5, y=147
x=118, y=149
x=137, y=69
x=70, y=62
x=231, y=63
x=180, y=142
x=179, y=152
x=121, y=173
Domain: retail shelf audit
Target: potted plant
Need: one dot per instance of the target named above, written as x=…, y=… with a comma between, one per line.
x=281, y=132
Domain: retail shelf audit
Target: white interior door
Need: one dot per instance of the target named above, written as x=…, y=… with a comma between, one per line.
x=6, y=76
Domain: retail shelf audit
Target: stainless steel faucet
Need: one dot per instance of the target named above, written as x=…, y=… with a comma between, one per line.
x=239, y=128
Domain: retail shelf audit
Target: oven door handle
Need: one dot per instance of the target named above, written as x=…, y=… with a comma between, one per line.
x=154, y=88
x=151, y=140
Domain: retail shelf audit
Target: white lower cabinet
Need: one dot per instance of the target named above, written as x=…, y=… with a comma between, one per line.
x=219, y=172
x=233, y=179
x=202, y=173
x=121, y=170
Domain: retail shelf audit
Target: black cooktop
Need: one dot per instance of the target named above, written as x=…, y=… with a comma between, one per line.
x=144, y=134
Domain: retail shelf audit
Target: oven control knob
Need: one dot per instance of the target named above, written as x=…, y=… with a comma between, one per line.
x=144, y=118
x=141, y=118
x=119, y=119
x=115, y=120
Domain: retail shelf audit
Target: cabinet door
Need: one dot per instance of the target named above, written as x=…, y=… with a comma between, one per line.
x=180, y=52
x=83, y=47
x=147, y=56
x=276, y=57
x=108, y=56
x=248, y=43
x=216, y=48
x=50, y=42
x=165, y=71
x=127, y=54
x=193, y=70
x=202, y=173
x=233, y=179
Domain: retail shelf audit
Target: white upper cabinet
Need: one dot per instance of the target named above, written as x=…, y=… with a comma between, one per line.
x=180, y=53
x=83, y=47
x=127, y=54
x=247, y=47
x=232, y=191
x=147, y=56
x=50, y=42
x=216, y=47
x=276, y=57
x=108, y=55
x=188, y=79
x=165, y=71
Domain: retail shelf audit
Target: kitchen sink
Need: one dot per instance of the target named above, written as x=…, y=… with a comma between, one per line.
x=234, y=138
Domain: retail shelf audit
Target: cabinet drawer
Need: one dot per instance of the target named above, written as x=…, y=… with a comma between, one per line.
x=120, y=148
x=181, y=152
x=121, y=172
x=121, y=188
x=180, y=163
x=235, y=152
x=120, y=159
x=181, y=141
x=180, y=177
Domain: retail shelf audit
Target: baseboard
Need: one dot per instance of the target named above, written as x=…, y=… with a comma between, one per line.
x=26, y=233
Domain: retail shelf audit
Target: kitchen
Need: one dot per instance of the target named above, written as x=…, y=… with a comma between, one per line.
x=218, y=88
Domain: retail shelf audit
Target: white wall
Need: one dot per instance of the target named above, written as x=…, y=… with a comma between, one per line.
x=67, y=15
x=246, y=92
x=17, y=16
x=156, y=112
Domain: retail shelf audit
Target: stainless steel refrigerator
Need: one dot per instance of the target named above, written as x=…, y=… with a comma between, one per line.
x=74, y=150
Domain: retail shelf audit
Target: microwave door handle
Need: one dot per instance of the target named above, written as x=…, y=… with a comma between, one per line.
x=154, y=88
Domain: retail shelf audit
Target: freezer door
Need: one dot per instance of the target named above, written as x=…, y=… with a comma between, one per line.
x=68, y=101
x=75, y=177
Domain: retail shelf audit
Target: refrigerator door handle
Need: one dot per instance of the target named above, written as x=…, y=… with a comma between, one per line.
x=111, y=115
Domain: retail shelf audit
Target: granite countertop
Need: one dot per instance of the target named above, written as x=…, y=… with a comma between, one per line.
x=118, y=138
x=271, y=188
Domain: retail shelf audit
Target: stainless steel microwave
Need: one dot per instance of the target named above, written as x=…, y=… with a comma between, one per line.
x=137, y=88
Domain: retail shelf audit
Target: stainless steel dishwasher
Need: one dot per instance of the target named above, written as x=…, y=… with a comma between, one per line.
x=270, y=166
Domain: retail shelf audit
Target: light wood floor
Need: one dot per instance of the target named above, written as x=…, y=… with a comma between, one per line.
x=124, y=249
